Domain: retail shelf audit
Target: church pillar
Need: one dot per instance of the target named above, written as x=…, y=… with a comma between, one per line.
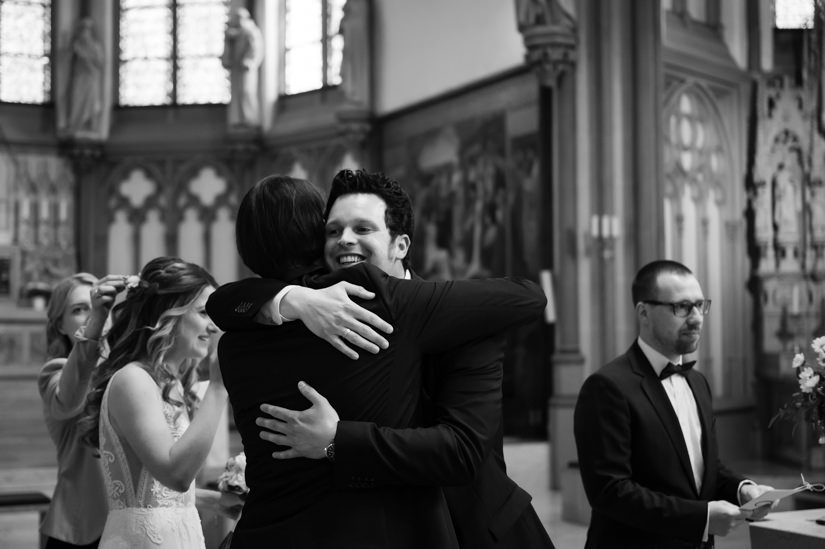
x=549, y=33
x=602, y=157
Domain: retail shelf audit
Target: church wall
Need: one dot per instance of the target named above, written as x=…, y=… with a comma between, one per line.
x=427, y=47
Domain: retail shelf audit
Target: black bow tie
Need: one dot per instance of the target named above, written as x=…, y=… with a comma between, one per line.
x=671, y=369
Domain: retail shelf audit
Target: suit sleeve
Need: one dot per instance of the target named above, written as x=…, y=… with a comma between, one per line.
x=233, y=306
x=602, y=426
x=441, y=316
x=466, y=410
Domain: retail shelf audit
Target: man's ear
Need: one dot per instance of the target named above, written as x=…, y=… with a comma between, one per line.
x=641, y=310
x=402, y=246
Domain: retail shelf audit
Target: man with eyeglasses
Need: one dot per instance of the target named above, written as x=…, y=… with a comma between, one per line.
x=645, y=435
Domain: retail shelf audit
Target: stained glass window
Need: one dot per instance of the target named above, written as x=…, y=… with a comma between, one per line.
x=170, y=52
x=25, y=47
x=794, y=14
x=313, y=44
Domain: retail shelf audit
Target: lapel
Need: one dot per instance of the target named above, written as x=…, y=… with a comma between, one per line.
x=705, y=408
x=655, y=393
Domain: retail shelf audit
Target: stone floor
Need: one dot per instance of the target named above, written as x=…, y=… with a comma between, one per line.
x=527, y=463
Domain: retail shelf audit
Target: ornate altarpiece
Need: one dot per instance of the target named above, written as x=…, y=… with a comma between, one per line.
x=787, y=237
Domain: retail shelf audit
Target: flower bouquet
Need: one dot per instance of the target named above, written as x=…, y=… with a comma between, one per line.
x=233, y=488
x=233, y=478
x=807, y=405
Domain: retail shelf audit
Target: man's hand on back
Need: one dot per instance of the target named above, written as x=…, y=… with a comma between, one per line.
x=332, y=315
x=307, y=432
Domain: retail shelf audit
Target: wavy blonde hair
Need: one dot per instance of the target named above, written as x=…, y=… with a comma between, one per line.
x=143, y=331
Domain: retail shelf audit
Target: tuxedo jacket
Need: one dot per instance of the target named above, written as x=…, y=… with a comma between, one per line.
x=297, y=501
x=634, y=461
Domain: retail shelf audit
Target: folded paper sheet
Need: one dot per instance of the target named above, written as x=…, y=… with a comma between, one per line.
x=768, y=498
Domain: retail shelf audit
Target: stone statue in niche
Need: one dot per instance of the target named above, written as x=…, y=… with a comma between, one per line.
x=242, y=55
x=355, y=65
x=86, y=86
x=787, y=204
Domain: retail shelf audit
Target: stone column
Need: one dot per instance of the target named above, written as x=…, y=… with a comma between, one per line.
x=549, y=33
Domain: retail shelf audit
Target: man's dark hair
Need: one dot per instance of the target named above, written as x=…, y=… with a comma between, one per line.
x=644, y=283
x=399, y=215
x=280, y=226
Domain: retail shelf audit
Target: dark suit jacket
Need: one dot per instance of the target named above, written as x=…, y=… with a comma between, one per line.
x=634, y=462
x=462, y=450
x=295, y=501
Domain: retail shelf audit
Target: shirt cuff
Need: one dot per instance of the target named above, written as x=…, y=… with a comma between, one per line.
x=739, y=490
x=277, y=317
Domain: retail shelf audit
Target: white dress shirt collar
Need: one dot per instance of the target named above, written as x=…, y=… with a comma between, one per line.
x=656, y=359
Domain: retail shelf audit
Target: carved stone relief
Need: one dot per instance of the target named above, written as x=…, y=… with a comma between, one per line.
x=787, y=205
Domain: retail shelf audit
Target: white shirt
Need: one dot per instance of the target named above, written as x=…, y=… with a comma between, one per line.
x=684, y=404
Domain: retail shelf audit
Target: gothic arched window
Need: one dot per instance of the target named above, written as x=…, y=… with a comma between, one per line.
x=25, y=47
x=170, y=52
x=313, y=45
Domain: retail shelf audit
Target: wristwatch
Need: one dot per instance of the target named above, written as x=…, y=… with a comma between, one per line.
x=329, y=451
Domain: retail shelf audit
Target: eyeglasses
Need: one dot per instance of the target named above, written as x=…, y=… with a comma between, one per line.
x=682, y=309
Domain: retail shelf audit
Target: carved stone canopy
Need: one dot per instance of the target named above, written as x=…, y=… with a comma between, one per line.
x=549, y=33
x=551, y=49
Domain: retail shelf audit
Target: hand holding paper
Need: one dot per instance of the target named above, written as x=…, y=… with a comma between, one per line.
x=760, y=499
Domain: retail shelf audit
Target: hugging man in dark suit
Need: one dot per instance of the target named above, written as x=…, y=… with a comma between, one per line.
x=463, y=448
x=644, y=430
x=295, y=503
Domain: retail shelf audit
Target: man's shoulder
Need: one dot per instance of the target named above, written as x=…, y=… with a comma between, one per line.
x=620, y=367
x=363, y=274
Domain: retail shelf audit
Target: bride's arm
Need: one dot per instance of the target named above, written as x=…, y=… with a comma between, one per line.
x=136, y=410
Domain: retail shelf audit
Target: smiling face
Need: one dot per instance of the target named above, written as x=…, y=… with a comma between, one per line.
x=194, y=331
x=660, y=328
x=356, y=231
x=78, y=307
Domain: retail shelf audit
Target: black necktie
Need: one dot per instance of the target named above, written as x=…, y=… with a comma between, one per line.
x=671, y=369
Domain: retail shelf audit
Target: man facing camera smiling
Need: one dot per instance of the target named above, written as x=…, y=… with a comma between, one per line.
x=369, y=220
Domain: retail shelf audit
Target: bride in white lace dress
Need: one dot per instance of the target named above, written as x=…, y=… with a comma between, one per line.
x=140, y=406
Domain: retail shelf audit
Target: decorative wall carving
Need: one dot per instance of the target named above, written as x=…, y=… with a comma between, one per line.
x=549, y=31
x=787, y=207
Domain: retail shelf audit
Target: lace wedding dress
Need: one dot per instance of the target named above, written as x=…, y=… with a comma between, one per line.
x=143, y=513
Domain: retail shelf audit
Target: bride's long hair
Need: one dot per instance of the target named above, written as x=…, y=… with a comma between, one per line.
x=143, y=331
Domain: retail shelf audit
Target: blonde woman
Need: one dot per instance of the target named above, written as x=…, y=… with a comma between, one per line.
x=152, y=431
x=78, y=301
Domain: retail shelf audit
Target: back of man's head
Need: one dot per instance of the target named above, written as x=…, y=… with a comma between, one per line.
x=645, y=282
x=398, y=216
x=280, y=226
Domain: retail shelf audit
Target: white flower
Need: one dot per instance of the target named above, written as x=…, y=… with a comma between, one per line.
x=132, y=281
x=808, y=380
x=818, y=345
x=233, y=478
x=798, y=360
